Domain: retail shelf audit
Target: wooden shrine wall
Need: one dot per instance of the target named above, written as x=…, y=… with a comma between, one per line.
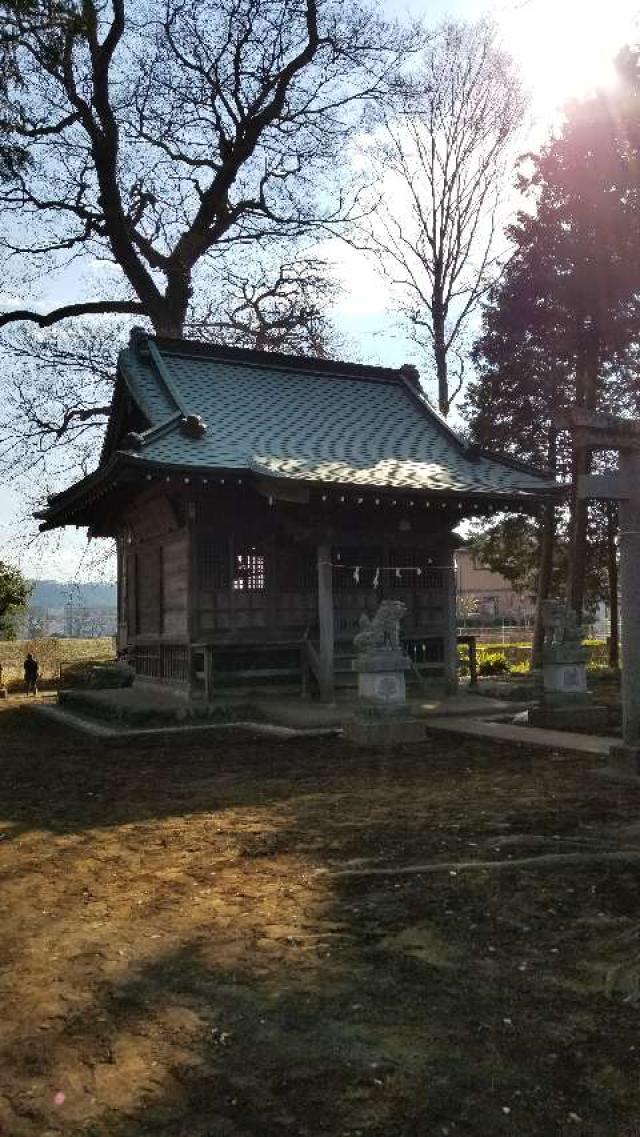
x=230, y=569
x=155, y=571
x=266, y=588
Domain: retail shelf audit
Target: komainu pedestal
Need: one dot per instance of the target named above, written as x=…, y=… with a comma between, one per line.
x=566, y=700
x=381, y=663
x=382, y=717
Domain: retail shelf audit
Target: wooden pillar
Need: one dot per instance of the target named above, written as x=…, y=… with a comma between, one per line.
x=473, y=663
x=121, y=628
x=192, y=592
x=208, y=672
x=325, y=620
x=451, y=628
x=622, y=486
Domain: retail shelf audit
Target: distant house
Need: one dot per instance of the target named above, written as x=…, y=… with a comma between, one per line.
x=485, y=595
x=262, y=502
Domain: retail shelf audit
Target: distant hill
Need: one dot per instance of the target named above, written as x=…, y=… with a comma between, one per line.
x=56, y=593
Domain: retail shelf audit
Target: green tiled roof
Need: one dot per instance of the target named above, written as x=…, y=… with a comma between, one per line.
x=298, y=419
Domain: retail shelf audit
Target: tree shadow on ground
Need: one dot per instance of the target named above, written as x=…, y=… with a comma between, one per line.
x=186, y=966
x=385, y=1035
x=51, y=778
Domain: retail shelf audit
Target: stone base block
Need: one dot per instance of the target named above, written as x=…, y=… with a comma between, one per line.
x=384, y=733
x=625, y=759
x=590, y=717
x=566, y=699
x=568, y=677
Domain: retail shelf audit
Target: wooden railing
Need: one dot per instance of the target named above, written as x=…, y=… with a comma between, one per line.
x=162, y=661
x=311, y=664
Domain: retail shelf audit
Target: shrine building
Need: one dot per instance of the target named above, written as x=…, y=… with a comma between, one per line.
x=262, y=502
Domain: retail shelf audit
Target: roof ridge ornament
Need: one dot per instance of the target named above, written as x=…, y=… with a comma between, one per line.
x=193, y=425
x=139, y=341
x=410, y=371
x=133, y=441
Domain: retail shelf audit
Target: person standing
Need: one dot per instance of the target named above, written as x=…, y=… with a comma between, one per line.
x=31, y=674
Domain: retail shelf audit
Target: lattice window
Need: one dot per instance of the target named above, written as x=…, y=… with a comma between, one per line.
x=425, y=650
x=248, y=570
x=174, y=661
x=297, y=569
x=410, y=568
x=433, y=578
x=213, y=563
x=146, y=660
x=355, y=568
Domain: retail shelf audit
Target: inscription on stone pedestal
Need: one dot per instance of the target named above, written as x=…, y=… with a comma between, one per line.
x=388, y=687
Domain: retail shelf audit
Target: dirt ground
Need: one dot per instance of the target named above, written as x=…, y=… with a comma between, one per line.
x=182, y=958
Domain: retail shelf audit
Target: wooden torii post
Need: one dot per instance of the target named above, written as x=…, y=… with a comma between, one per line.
x=606, y=432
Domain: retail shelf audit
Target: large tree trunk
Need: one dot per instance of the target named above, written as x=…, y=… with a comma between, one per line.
x=443, y=377
x=547, y=537
x=440, y=351
x=612, y=570
x=547, y=545
x=581, y=464
x=176, y=303
x=586, y=395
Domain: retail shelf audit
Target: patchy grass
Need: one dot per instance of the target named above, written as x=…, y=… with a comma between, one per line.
x=181, y=960
x=50, y=653
x=516, y=657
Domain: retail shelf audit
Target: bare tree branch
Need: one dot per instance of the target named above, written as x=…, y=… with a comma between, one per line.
x=443, y=151
x=58, y=382
x=67, y=311
x=160, y=133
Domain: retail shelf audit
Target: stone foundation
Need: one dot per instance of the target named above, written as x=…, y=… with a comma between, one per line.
x=388, y=731
x=626, y=759
x=569, y=716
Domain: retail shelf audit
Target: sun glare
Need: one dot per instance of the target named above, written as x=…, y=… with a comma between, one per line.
x=566, y=48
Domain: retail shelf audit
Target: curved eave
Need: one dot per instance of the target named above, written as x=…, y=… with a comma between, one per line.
x=62, y=508
x=75, y=505
x=198, y=476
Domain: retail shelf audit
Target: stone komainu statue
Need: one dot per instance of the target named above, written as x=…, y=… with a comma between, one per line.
x=560, y=624
x=383, y=630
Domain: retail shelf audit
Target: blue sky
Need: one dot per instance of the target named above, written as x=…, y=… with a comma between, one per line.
x=561, y=46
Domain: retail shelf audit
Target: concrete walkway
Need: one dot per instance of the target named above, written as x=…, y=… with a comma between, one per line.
x=309, y=713
x=465, y=714
x=527, y=735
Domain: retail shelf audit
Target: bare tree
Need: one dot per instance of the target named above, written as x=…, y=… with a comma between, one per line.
x=58, y=381
x=287, y=310
x=156, y=153
x=57, y=391
x=443, y=157
x=162, y=133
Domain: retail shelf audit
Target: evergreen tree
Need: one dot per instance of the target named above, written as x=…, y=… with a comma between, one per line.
x=561, y=326
x=14, y=594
